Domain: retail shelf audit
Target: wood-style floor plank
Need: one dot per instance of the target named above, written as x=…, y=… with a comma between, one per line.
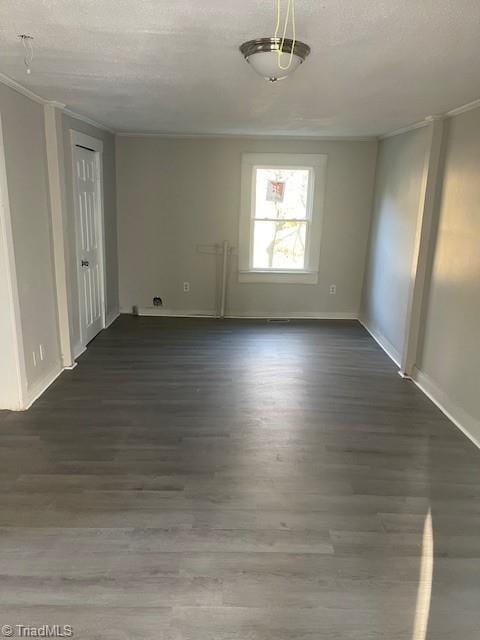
x=238, y=480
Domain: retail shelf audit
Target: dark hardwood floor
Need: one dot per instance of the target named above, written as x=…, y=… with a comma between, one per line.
x=238, y=480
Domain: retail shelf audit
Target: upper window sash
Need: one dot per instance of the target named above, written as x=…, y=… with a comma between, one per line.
x=283, y=167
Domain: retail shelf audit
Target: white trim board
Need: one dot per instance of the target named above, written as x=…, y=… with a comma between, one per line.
x=293, y=315
x=464, y=421
x=13, y=84
x=84, y=140
x=78, y=350
x=248, y=136
x=16, y=86
x=382, y=342
x=424, y=245
x=465, y=107
x=278, y=277
x=40, y=386
x=475, y=104
x=250, y=315
x=161, y=312
x=19, y=88
x=87, y=120
x=58, y=208
x=410, y=127
x=111, y=317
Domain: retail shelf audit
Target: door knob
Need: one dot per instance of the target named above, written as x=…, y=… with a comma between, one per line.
x=85, y=263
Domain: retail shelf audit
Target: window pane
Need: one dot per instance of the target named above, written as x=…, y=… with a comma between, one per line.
x=279, y=245
x=281, y=193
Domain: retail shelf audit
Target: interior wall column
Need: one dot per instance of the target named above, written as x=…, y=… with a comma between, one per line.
x=424, y=241
x=56, y=178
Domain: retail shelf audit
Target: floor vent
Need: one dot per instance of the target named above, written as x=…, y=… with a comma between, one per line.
x=278, y=320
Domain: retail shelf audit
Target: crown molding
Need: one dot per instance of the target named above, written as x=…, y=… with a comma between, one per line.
x=410, y=127
x=16, y=86
x=19, y=88
x=272, y=136
x=466, y=107
x=87, y=120
x=55, y=104
x=475, y=104
x=435, y=117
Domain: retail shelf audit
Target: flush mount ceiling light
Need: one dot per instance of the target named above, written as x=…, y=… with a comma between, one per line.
x=264, y=56
x=276, y=58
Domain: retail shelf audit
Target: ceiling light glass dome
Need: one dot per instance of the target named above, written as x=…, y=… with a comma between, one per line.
x=264, y=57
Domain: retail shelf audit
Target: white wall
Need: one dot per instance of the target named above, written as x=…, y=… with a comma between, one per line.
x=26, y=168
x=176, y=194
x=398, y=184
x=450, y=359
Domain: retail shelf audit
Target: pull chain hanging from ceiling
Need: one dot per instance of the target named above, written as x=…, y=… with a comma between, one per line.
x=290, y=10
x=27, y=42
x=265, y=54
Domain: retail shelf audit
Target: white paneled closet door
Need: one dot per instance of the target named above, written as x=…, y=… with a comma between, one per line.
x=88, y=238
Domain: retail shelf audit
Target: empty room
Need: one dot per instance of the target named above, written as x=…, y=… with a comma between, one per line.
x=240, y=320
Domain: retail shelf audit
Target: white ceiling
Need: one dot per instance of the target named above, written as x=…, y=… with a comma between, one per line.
x=173, y=66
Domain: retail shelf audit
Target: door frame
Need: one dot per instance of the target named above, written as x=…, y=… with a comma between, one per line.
x=96, y=146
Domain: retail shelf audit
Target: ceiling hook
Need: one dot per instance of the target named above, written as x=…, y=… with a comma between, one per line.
x=27, y=42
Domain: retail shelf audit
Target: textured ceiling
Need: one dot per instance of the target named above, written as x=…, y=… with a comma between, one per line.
x=173, y=66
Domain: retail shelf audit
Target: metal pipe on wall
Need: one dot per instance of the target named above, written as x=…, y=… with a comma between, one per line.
x=223, y=293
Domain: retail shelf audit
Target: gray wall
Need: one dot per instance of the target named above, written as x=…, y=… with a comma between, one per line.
x=111, y=250
x=9, y=383
x=451, y=351
x=176, y=194
x=394, y=222
x=26, y=167
x=28, y=189
x=448, y=362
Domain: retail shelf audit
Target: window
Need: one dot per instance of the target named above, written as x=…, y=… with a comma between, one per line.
x=280, y=219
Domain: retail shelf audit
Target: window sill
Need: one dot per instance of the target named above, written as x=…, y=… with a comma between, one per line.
x=278, y=277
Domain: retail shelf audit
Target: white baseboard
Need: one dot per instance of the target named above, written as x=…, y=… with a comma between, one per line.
x=111, y=317
x=247, y=315
x=460, y=418
x=464, y=421
x=382, y=341
x=41, y=385
x=78, y=350
x=171, y=313
x=293, y=315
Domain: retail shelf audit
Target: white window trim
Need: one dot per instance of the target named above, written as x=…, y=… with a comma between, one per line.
x=251, y=161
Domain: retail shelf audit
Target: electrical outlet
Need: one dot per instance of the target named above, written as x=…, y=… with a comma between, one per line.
x=333, y=289
x=34, y=358
x=42, y=351
x=186, y=287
